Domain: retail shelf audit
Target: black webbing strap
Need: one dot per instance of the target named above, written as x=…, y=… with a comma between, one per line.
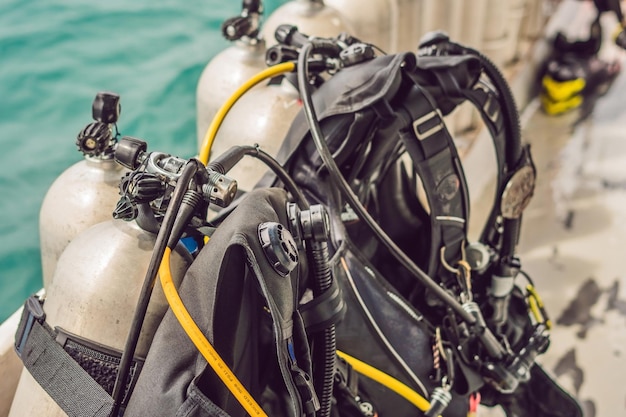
x=67, y=383
x=436, y=161
x=486, y=102
x=326, y=309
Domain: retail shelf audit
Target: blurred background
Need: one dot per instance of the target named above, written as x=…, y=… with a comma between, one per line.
x=54, y=57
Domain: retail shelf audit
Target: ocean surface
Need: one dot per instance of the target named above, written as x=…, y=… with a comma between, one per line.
x=55, y=55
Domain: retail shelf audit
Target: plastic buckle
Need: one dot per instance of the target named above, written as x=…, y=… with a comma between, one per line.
x=490, y=106
x=425, y=122
x=304, y=384
x=33, y=311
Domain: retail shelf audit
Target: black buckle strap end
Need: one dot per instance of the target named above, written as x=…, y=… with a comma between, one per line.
x=33, y=311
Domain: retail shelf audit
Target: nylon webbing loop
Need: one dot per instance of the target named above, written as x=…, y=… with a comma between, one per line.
x=69, y=385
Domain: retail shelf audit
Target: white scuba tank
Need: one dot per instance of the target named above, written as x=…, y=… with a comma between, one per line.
x=229, y=69
x=312, y=17
x=85, y=193
x=392, y=25
x=94, y=294
x=371, y=20
x=262, y=116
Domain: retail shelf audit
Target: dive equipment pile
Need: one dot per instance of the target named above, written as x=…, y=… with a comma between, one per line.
x=332, y=288
x=574, y=73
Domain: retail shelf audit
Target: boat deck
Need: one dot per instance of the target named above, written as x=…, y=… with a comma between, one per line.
x=573, y=245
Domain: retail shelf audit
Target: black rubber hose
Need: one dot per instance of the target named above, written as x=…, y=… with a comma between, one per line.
x=162, y=238
x=513, y=145
x=227, y=160
x=281, y=173
x=335, y=173
x=324, y=358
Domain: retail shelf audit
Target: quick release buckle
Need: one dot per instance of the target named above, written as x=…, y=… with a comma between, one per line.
x=33, y=311
x=427, y=125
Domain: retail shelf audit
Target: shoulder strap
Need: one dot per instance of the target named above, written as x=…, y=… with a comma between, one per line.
x=437, y=163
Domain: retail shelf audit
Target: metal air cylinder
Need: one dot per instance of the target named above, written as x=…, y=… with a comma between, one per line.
x=221, y=77
x=83, y=195
x=94, y=294
x=262, y=116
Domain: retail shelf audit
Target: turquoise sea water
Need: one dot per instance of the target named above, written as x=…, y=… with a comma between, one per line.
x=55, y=55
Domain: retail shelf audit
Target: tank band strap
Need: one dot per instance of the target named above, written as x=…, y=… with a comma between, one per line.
x=69, y=385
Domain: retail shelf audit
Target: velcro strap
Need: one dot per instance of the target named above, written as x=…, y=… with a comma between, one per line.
x=69, y=385
x=77, y=374
x=324, y=310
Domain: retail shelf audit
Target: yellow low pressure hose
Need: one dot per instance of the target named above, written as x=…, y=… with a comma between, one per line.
x=211, y=132
x=387, y=380
x=202, y=344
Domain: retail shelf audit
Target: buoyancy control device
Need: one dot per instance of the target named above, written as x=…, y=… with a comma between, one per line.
x=447, y=321
x=86, y=193
x=247, y=309
x=574, y=74
x=366, y=302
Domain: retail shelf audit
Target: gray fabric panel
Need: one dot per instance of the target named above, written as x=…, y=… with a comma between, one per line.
x=173, y=362
x=62, y=378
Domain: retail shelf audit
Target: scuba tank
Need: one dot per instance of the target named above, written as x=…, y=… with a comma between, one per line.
x=269, y=111
x=86, y=193
x=232, y=67
x=373, y=21
x=310, y=16
x=93, y=295
x=83, y=346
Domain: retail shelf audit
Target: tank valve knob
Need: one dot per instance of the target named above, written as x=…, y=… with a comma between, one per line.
x=142, y=187
x=129, y=152
x=95, y=139
x=236, y=28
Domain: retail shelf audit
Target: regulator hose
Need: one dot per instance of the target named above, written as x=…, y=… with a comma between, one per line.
x=189, y=171
x=387, y=381
x=513, y=146
x=353, y=200
x=211, y=132
x=324, y=359
x=226, y=161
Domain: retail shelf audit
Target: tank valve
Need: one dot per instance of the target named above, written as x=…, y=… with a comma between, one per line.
x=245, y=25
x=97, y=139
